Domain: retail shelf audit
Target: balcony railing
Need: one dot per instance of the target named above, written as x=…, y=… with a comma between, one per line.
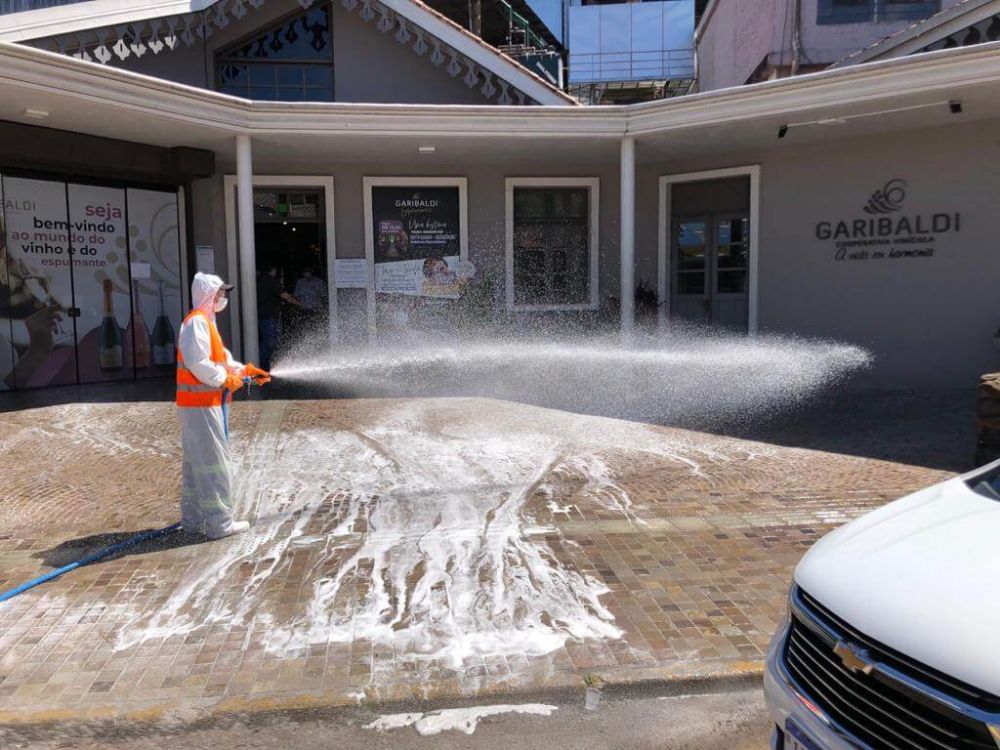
x=658, y=65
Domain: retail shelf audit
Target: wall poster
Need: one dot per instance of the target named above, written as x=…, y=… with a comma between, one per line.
x=40, y=284
x=89, y=282
x=417, y=237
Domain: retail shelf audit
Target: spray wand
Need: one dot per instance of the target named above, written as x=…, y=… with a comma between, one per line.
x=227, y=395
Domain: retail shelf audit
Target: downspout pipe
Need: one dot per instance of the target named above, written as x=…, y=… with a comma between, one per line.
x=796, y=36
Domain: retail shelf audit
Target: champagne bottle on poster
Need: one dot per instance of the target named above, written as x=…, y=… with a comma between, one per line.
x=139, y=332
x=163, y=337
x=110, y=354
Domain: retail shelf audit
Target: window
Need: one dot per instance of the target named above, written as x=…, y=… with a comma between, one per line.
x=873, y=11
x=290, y=62
x=552, y=243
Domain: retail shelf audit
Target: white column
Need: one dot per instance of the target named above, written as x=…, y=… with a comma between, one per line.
x=247, y=287
x=628, y=235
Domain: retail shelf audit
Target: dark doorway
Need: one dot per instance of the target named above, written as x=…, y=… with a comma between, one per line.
x=290, y=236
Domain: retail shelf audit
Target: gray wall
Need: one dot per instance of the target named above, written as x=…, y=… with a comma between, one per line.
x=486, y=186
x=736, y=38
x=369, y=66
x=929, y=321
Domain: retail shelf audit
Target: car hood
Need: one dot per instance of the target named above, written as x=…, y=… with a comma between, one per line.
x=921, y=575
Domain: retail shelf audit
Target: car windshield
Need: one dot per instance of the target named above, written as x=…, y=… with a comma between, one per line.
x=986, y=483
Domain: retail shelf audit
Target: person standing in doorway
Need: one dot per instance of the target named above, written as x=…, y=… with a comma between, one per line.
x=310, y=291
x=270, y=294
x=206, y=376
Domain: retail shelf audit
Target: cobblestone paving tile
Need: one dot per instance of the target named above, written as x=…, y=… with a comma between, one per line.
x=691, y=539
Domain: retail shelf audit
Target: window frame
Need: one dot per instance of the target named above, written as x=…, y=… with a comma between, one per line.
x=875, y=12
x=223, y=55
x=592, y=184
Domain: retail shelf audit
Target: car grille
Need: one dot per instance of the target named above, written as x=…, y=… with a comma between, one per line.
x=890, y=707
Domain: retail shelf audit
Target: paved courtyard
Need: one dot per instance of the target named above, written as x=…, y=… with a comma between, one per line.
x=401, y=549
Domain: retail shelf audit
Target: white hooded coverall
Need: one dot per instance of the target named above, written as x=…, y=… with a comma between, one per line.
x=206, y=477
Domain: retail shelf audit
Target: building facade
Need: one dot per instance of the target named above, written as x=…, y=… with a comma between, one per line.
x=630, y=52
x=850, y=204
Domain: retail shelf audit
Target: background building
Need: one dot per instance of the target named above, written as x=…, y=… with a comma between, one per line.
x=627, y=52
x=746, y=41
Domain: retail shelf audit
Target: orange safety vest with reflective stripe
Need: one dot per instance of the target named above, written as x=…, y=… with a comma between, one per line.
x=191, y=392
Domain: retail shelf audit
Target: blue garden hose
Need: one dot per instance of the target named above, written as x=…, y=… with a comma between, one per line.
x=92, y=557
x=227, y=397
x=100, y=554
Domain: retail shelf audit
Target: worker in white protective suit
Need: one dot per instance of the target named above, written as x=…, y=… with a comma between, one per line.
x=207, y=375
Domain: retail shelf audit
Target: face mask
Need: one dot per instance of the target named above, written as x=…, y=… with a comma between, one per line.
x=220, y=304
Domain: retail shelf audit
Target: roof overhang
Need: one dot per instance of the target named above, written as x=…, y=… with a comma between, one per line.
x=76, y=18
x=885, y=96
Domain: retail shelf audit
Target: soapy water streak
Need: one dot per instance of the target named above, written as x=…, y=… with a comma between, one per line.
x=413, y=537
x=690, y=379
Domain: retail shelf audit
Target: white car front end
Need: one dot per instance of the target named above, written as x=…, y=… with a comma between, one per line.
x=892, y=640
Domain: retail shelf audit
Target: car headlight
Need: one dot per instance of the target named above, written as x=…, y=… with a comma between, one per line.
x=995, y=732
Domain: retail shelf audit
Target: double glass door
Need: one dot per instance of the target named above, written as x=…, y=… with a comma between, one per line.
x=710, y=269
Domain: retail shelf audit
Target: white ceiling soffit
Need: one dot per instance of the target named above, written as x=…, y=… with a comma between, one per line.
x=922, y=34
x=79, y=18
x=25, y=70
x=69, y=19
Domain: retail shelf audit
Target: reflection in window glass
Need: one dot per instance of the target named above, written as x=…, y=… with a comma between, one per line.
x=691, y=282
x=292, y=61
x=732, y=282
x=551, y=246
x=873, y=11
x=691, y=246
x=732, y=253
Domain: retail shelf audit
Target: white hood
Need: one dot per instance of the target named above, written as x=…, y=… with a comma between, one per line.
x=920, y=575
x=204, y=287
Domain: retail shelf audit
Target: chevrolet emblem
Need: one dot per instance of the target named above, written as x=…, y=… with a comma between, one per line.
x=855, y=659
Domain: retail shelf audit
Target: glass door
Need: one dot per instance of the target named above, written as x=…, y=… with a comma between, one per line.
x=710, y=257
x=101, y=283
x=7, y=358
x=690, y=299
x=155, y=273
x=730, y=271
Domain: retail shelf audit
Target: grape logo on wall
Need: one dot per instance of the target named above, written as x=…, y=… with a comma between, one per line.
x=887, y=200
x=886, y=231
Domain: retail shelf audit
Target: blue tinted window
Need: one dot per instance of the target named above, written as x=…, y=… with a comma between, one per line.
x=875, y=11
x=292, y=61
x=17, y=6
